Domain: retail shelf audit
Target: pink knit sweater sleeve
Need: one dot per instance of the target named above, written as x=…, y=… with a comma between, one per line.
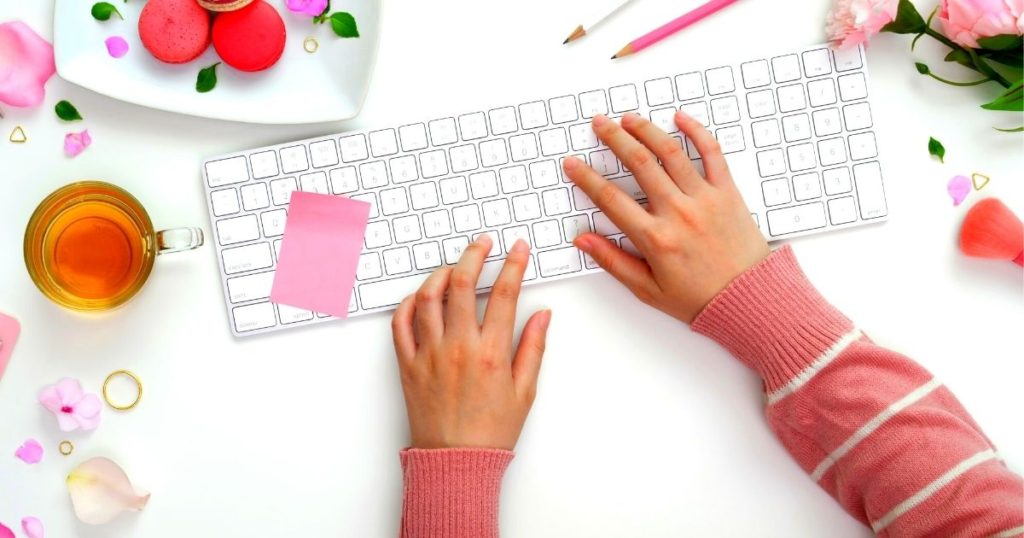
x=873, y=428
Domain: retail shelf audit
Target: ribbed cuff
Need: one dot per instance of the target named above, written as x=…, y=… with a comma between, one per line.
x=773, y=319
x=452, y=492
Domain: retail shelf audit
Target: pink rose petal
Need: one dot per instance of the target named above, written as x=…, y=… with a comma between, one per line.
x=959, y=187
x=30, y=452
x=75, y=143
x=5, y=532
x=100, y=490
x=117, y=47
x=852, y=22
x=32, y=526
x=26, y=63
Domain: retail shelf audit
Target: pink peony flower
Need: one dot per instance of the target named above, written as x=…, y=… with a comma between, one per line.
x=30, y=452
x=308, y=7
x=26, y=63
x=964, y=21
x=75, y=143
x=72, y=406
x=853, y=22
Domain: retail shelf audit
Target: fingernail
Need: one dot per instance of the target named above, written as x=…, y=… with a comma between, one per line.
x=484, y=240
x=520, y=247
x=584, y=243
x=570, y=162
x=545, y=319
x=600, y=120
x=681, y=115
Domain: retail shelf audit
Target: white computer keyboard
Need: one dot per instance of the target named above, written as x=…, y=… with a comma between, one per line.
x=796, y=128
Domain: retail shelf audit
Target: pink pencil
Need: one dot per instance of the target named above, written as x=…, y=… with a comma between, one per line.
x=671, y=27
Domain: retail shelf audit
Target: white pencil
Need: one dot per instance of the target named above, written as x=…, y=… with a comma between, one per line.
x=582, y=29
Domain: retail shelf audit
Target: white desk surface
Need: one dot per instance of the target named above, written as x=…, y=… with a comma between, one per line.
x=640, y=428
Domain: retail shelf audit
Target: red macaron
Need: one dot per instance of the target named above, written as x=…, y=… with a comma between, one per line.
x=174, y=31
x=251, y=38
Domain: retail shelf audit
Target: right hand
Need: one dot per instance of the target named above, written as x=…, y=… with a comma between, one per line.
x=696, y=235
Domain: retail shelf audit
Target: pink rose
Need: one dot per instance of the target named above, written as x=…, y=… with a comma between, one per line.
x=308, y=7
x=964, y=21
x=853, y=22
x=26, y=63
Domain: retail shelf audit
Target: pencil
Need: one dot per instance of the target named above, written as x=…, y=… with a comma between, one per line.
x=582, y=29
x=671, y=27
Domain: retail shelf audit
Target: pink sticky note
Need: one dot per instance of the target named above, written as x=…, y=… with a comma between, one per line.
x=323, y=238
x=9, y=331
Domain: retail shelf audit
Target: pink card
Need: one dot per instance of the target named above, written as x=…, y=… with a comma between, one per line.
x=9, y=330
x=323, y=238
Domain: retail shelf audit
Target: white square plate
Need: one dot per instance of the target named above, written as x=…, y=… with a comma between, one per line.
x=327, y=85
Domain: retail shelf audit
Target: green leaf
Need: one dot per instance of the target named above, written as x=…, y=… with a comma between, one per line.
x=1001, y=42
x=922, y=68
x=1017, y=130
x=937, y=149
x=1011, y=100
x=102, y=11
x=961, y=57
x=67, y=111
x=207, y=79
x=907, y=21
x=344, y=24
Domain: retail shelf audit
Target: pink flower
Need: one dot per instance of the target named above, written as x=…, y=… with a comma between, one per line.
x=32, y=526
x=853, y=22
x=75, y=143
x=964, y=21
x=26, y=63
x=308, y=7
x=30, y=452
x=6, y=532
x=72, y=406
x=117, y=47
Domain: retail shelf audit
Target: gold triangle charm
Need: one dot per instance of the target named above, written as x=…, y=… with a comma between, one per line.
x=979, y=181
x=18, y=136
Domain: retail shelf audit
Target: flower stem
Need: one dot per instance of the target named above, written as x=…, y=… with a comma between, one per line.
x=953, y=83
x=979, y=65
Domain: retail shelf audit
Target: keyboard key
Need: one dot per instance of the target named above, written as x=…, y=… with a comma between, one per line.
x=776, y=192
x=467, y=217
x=533, y=115
x=254, y=317
x=250, y=287
x=383, y=143
x=575, y=226
x=323, y=153
x=659, y=91
x=503, y=120
x=559, y=261
x=493, y=152
x=791, y=98
x=842, y=210
x=858, y=116
x=227, y=172
x=690, y=86
x=453, y=190
x=766, y=133
x=463, y=158
x=490, y=271
x=495, y=243
x=371, y=199
x=374, y=174
x=273, y=222
x=731, y=139
x=264, y=165
x=852, y=87
x=437, y=223
x=725, y=110
x=315, y=182
x=290, y=314
x=629, y=186
x=832, y=151
x=515, y=233
x=526, y=207
x=369, y=266
x=293, y=159
x=583, y=137
x=801, y=157
x=862, y=146
x=623, y=98
x=761, y=104
x=553, y=142
x=543, y=174
x=604, y=225
x=423, y=195
x=821, y=92
x=755, y=74
x=817, y=62
x=247, y=258
x=523, y=147
x=593, y=103
x=496, y=213
x=665, y=119
x=563, y=109
x=427, y=255
x=353, y=148
x=453, y=248
x=393, y=202
x=281, y=190
x=378, y=234
x=837, y=181
x=224, y=202
x=720, y=80
x=697, y=111
x=513, y=179
x=827, y=122
x=798, y=218
x=870, y=194
x=771, y=163
x=484, y=184
x=414, y=137
x=434, y=163
x=630, y=247
x=397, y=261
x=255, y=196
x=796, y=127
x=581, y=200
x=806, y=187
x=403, y=169
x=604, y=162
x=443, y=132
x=388, y=293
x=786, y=68
x=344, y=180
x=546, y=233
x=473, y=126
x=847, y=59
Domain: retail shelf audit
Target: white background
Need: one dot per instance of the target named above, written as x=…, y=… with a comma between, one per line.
x=641, y=428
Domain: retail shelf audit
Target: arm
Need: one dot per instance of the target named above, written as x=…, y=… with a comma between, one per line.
x=467, y=390
x=873, y=428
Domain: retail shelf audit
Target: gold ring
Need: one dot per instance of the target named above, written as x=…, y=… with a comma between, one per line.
x=138, y=395
x=66, y=448
x=311, y=44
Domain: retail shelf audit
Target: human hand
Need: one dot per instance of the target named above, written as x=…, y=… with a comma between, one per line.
x=463, y=385
x=696, y=234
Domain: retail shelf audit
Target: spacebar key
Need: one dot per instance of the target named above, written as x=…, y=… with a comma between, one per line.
x=389, y=292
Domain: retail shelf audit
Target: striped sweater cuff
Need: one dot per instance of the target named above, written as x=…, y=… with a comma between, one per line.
x=774, y=320
x=452, y=492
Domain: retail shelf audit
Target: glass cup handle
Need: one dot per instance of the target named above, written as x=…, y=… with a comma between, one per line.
x=178, y=240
